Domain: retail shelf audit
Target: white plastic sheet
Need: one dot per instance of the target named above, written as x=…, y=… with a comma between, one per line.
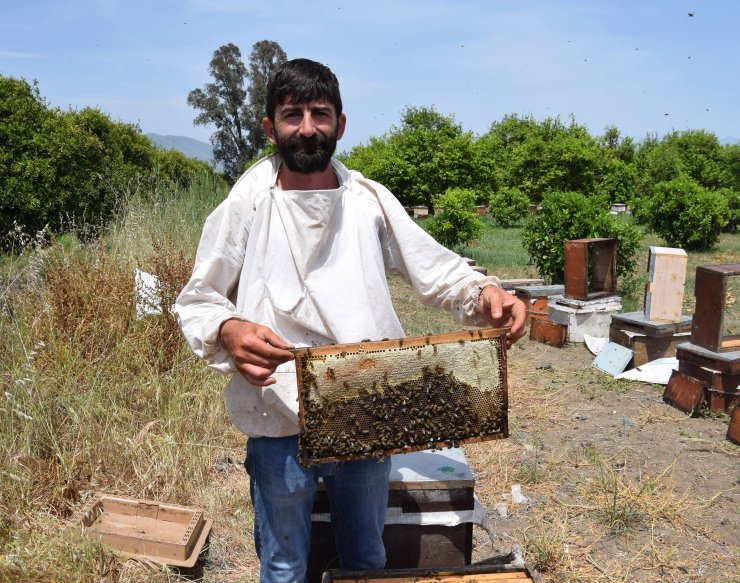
x=656, y=371
x=594, y=343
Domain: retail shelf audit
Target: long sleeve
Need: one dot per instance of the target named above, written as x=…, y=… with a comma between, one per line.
x=208, y=299
x=440, y=277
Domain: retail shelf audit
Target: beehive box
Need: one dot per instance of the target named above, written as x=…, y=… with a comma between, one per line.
x=429, y=520
x=163, y=533
x=394, y=396
x=472, y=574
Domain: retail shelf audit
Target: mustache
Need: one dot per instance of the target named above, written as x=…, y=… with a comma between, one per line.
x=298, y=142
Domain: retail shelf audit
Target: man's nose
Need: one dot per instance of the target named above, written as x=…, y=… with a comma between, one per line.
x=307, y=128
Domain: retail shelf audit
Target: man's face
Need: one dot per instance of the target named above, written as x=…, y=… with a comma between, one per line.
x=306, y=134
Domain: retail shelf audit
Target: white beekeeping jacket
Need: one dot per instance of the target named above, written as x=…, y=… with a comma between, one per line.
x=310, y=265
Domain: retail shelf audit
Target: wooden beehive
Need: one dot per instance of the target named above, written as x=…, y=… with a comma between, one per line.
x=665, y=285
x=590, y=268
x=425, y=489
x=395, y=396
x=709, y=326
x=163, y=533
x=471, y=574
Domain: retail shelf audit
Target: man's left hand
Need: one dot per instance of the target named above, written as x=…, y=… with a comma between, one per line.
x=504, y=310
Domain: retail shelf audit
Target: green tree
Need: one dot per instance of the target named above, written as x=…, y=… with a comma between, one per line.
x=566, y=216
x=542, y=157
x=234, y=107
x=266, y=56
x=686, y=215
x=423, y=157
x=60, y=170
x=696, y=154
x=455, y=222
x=508, y=206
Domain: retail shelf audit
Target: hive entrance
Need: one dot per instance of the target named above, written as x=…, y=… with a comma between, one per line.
x=376, y=398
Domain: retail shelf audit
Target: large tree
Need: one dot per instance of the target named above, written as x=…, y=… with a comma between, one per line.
x=423, y=157
x=234, y=102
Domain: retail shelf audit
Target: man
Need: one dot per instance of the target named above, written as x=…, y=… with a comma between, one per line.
x=297, y=256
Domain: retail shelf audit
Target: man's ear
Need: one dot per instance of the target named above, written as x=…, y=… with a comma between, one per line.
x=269, y=130
x=341, y=123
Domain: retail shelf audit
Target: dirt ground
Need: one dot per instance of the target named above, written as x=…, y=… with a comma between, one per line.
x=621, y=486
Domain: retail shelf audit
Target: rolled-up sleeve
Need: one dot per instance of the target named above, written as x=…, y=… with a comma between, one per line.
x=439, y=276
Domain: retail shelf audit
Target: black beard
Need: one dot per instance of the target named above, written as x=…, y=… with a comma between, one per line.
x=307, y=155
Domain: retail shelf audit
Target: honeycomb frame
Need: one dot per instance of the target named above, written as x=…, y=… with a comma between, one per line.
x=371, y=399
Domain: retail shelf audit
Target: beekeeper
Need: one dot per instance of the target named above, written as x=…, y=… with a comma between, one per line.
x=297, y=255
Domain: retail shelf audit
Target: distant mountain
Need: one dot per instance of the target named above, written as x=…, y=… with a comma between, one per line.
x=730, y=140
x=191, y=147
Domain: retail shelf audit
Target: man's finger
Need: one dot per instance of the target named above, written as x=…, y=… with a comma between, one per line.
x=258, y=376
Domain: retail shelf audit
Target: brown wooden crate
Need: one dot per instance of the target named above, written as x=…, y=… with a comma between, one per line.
x=162, y=533
x=721, y=400
x=407, y=546
x=646, y=348
x=708, y=330
x=695, y=354
x=547, y=332
x=714, y=379
x=583, y=283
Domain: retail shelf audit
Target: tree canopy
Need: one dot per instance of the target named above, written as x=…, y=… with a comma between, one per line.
x=64, y=168
x=423, y=157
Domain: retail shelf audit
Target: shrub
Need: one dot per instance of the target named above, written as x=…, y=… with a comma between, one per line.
x=565, y=216
x=508, y=206
x=686, y=215
x=733, y=204
x=458, y=224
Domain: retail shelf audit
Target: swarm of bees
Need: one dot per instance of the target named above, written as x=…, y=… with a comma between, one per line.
x=433, y=410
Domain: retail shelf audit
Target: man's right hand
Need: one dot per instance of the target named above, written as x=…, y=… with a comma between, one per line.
x=256, y=350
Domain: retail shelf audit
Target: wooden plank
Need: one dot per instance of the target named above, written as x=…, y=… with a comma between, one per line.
x=409, y=342
x=665, y=287
x=684, y=393
x=508, y=577
x=576, y=270
x=733, y=431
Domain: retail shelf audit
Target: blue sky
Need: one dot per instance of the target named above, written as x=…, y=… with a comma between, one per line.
x=641, y=66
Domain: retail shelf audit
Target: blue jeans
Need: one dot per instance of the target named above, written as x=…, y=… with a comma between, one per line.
x=283, y=492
